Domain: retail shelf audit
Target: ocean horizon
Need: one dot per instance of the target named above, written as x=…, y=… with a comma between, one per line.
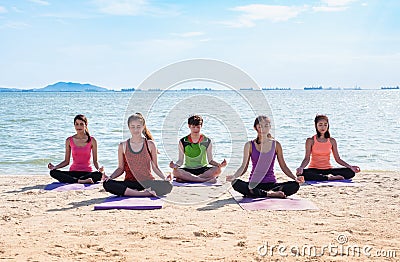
x=365, y=123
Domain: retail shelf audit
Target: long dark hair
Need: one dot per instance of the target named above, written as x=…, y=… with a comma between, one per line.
x=319, y=118
x=84, y=119
x=257, y=121
x=139, y=117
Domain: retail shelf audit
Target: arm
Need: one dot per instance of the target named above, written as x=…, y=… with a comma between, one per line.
x=121, y=163
x=181, y=157
x=67, y=157
x=94, y=155
x=211, y=160
x=306, y=160
x=154, y=161
x=245, y=163
x=338, y=160
x=282, y=164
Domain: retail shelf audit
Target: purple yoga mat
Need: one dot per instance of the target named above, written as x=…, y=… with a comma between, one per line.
x=195, y=184
x=289, y=203
x=338, y=183
x=132, y=203
x=57, y=186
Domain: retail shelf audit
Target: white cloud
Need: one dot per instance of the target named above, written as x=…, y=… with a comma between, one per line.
x=333, y=5
x=329, y=8
x=16, y=9
x=121, y=7
x=274, y=13
x=188, y=34
x=3, y=9
x=338, y=2
x=40, y=2
x=15, y=25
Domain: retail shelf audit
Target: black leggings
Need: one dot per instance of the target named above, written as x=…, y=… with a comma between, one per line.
x=315, y=174
x=73, y=176
x=119, y=187
x=289, y=188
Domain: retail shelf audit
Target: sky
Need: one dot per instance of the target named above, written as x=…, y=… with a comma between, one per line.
x=118, y=43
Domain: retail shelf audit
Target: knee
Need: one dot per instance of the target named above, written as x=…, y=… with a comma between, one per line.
x=52, y=173
x=236, y=184
x=164, y=189
x=351, y=175
x=293, y=188
x=107, y=185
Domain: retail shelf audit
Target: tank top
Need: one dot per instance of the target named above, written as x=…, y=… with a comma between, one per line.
x=320, y=154
x=80, y=156
x=263, y=165
x=137, y=164
x=195, y=153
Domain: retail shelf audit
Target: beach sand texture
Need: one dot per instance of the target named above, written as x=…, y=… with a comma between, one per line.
x=39, y=225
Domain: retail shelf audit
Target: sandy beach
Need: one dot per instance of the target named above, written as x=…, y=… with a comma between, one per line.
x=38, y=225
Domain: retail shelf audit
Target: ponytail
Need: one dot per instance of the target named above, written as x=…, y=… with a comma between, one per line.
x=84, y=119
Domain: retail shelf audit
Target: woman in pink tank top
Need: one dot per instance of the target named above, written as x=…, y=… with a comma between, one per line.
x=136, y=158
x=82, y=147
x=319, y=148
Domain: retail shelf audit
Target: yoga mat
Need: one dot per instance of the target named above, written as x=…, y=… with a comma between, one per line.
x=132, y=203
x=338, y=183
x=57, y=186
x=195, y=184
x=263, y=203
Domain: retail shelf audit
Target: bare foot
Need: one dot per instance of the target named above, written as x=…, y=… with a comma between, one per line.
x=337, y=177
x=152, y=192
x=276, y=194
x=86, y=181
x=212, y=180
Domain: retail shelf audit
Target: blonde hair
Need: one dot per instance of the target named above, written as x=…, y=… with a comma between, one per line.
x=139, y=117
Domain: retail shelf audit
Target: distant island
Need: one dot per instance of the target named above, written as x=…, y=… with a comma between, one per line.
x=61, y=87
x=331, y=88
x=390, y=87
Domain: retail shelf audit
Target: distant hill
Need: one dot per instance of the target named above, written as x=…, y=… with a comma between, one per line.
x=3, y=89
x=71, y=87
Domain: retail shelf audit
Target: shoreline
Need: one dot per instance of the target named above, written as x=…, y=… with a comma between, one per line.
x=58, y=226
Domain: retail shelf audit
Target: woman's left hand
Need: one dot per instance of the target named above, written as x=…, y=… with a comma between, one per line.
x=300, y=179
x=169, y=177
x=355, y=169
x=223, y=163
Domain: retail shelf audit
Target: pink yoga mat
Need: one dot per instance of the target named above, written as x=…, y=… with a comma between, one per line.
x=57, y=186
x=289, y=203
x=132, y=203
x=338, y=183
x=195, y=184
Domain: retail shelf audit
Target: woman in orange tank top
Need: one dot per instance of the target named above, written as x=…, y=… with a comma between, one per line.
x=136, y=158
x=319, y=148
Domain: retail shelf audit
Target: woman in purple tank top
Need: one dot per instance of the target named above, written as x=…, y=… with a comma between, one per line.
x=82, y=147
x=263, y=151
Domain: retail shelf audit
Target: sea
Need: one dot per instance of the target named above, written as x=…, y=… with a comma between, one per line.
x=365, y=124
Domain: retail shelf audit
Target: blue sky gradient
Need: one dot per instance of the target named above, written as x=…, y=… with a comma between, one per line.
x=117, y=44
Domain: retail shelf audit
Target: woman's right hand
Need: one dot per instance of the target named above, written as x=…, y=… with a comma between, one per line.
x=50, y=166
x=173, y=165
x=105, y=178
x=299, y=171
x=230, y=178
